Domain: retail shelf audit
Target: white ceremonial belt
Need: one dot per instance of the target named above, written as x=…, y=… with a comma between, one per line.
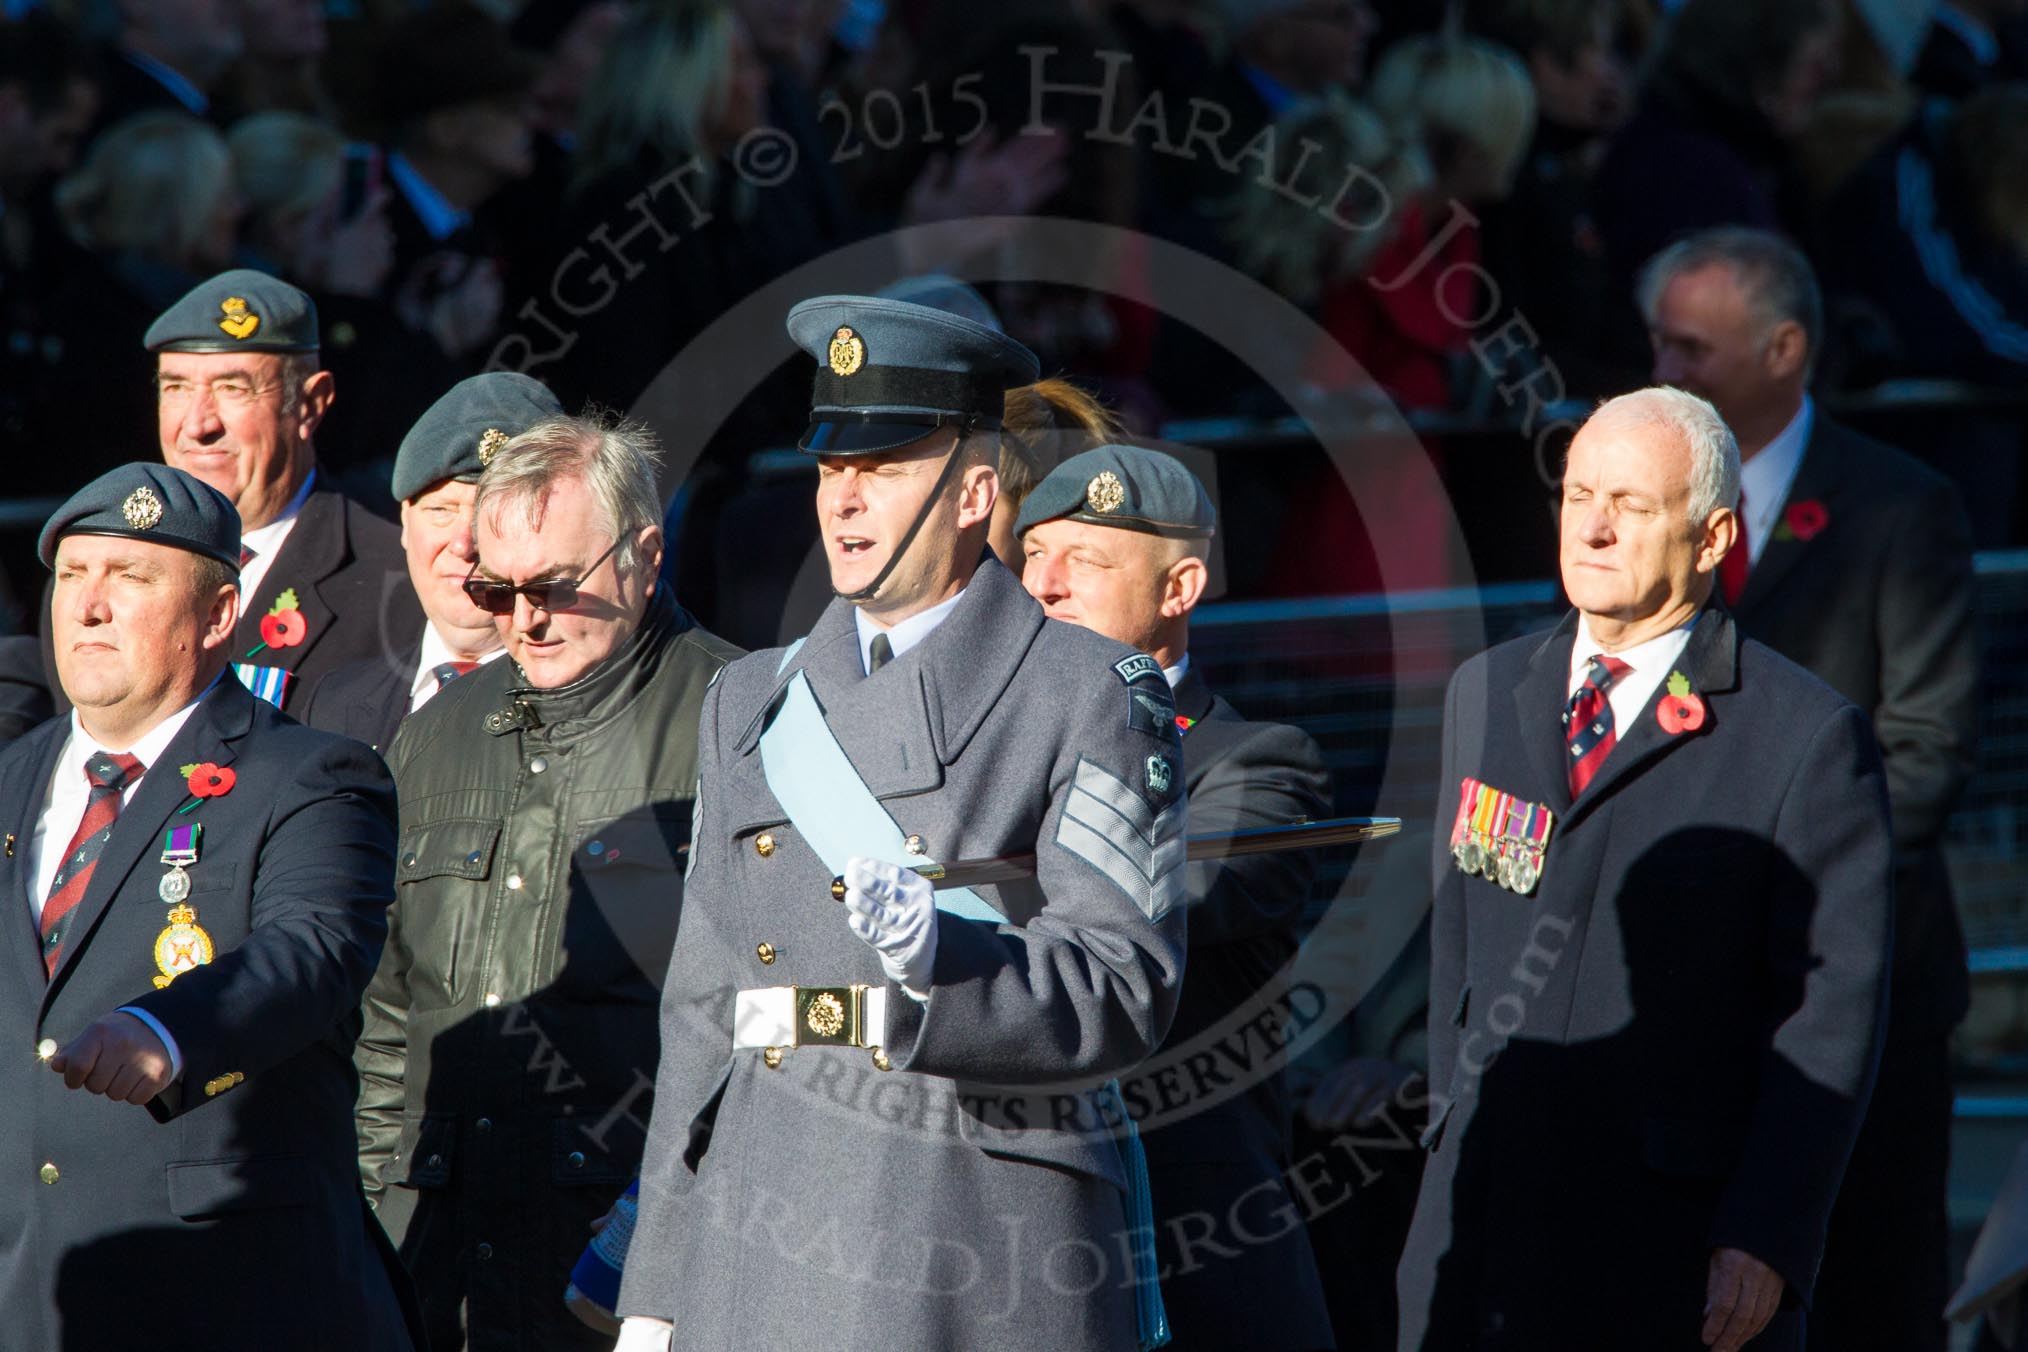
x=809, y=1016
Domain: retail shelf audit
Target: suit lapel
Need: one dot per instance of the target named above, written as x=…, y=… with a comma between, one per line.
x=1193, y=696
x=213, y=728
x=1538, y=703
x=18, y=932
x=1816, y=480
x=314, y=550
x=1709, y=661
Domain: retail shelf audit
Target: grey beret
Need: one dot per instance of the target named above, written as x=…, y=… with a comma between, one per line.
x=237, y=311
x=149, y=501
x=456, y=436
x=1130, y=487
x=888, y=371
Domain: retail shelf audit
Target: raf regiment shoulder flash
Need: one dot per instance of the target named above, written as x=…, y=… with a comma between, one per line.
x=1499, y=837
x=1151, y=704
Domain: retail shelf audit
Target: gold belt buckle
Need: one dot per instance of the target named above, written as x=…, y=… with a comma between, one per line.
x=830, y=1016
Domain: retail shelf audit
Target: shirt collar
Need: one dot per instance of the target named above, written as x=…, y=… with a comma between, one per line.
x=1660, y=651
x=261, y=540
x=1174, y=675
x=178, y=85
x=147, y=748
x=439, y=218
x=1767, y=476
x=904, y=635
x=436, y=652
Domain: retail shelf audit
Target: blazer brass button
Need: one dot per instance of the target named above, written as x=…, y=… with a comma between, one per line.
x=915, y=845
x=764, y=844
x=766, y=953
x=771, y=1055
x=45, y=1049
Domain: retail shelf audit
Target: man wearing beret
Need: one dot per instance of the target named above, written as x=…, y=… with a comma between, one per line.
x=436, y=473
x=507, y=1064
x=198, y=889
x=881, y=1106
x=1114, y=540
x=239, y=397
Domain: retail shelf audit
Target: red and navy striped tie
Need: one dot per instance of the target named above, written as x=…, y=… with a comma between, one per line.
x=1588, y=720
x=109, y=775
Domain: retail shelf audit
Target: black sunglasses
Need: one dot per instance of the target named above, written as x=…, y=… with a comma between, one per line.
x=557, y=593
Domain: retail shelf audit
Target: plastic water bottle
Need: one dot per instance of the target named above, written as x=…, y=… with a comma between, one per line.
x=594, y=1290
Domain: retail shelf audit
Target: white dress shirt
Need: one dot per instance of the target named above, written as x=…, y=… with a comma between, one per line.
x=1174, y=675
x=436, y=652
x=63, y=807
x=1651, y=662
x=267, y=541
x=1767, y=478
x=904, y=635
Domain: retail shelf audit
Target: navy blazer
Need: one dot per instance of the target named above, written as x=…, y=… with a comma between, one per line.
x=227, y=1214
x=1668, y=1048
x=366, y=700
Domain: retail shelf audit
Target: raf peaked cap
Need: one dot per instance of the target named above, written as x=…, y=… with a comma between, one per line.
x=1130, y=487
x=889, y=371
x=148, y=501
x=237, y=311
x=456, y=437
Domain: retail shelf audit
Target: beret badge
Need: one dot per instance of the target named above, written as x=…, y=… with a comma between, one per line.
x=847, y=353
x=236, y=319
x=490, y=442
x=1105, y=492
x=142, y=509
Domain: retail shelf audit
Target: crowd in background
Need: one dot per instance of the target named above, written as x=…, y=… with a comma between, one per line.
x=579, y=188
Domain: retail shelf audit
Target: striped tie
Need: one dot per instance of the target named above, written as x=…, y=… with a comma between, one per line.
x=1588, y=720
x=247, y=556
x=446, y=672
x=109, y=776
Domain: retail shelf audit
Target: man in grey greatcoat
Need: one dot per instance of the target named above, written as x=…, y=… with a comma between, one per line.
x=883, y=1113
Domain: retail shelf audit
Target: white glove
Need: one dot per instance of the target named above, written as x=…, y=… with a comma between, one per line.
x=894, y=910
x=638, y=1333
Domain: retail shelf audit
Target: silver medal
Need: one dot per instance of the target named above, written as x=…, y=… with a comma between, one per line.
x=174, y=887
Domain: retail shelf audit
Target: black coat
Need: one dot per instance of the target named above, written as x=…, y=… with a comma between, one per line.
x=1236, y=1289
x=1668, y=1048
x=365, y=701
x=351, y=583
x=229, y=1213
x=1879, y=607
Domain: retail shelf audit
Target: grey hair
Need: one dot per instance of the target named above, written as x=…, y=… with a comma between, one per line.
x=616, y=459
x=1778, y=281
x=1714, y=451
x=295, y=373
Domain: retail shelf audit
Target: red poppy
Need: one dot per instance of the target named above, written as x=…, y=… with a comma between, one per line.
x=210, y=781
x=1807, y=519
x=1680, y=713
x=283, y=628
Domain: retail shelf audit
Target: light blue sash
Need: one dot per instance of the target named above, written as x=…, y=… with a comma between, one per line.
x=839, y=818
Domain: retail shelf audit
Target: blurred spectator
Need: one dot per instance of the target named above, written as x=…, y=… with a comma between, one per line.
x=291, y=173
x=154, y=209
x=1972, y=44
x=1046, y=424
x=278, y=66
x=166, y=55
x=454, y=95
x=1734, y=81
x=1933, y=235
x=1544, y=242
x=48, y=97
x=1470, y=107
x=792, y=36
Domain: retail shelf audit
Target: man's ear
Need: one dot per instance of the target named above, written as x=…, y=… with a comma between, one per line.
x=1787, y=352
x=319, y=392
x=648, y=549
x=1188, y=577
x=1721, y=532
x=222, y=617
x=977, y=492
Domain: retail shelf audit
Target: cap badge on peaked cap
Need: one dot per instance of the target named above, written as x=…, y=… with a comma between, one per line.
x=847, y=353
x=238, y=321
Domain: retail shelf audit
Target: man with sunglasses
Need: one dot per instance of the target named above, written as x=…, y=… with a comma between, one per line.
x=507, y=1062
x=886, y=1111
x=436, y=474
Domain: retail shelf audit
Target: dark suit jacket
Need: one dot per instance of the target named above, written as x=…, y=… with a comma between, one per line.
x=1668, y=1048
x=1879, y=607
x=351, y=583
x=365, y=701
x=228, y=1214
x=1243, y=916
